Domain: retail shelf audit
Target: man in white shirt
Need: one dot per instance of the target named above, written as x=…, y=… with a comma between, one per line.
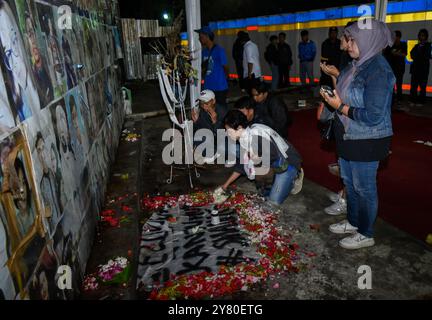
x=251, y=63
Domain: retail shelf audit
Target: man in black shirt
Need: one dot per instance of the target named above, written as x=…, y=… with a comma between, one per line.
x=237, y=54
x=247, y=106
x=421, y=55
x=396, y=58
x=330, y=54
x=273, y=106
x=271, y=55
x=285, y=61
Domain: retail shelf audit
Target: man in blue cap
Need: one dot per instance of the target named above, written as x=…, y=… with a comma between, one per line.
x=214, y=65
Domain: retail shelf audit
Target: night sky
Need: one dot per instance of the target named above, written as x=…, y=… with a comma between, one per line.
x=214, y=10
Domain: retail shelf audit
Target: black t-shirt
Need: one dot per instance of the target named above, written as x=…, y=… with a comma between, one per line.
x=331, y=52
x=284, y=54
x=396, y=61
x=365, y=150
x=421, y=55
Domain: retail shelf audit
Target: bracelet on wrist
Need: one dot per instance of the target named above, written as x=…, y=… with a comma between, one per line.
x=339, y=110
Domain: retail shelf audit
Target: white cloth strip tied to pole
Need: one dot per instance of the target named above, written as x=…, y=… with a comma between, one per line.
x=170, y=109
x=174, y=104
x=168, y=86
x=182, y=92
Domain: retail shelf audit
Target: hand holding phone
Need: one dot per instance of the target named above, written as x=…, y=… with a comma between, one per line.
x=328, y=90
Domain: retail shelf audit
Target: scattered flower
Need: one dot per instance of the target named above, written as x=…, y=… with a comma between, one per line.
x=90, y=283
x=277, y=252
x=113, y=269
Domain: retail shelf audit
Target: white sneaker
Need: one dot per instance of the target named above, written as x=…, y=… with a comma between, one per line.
x=342, y=228
x=337, y=208
x=334, y=197
x=298, y=183
x=356, y=241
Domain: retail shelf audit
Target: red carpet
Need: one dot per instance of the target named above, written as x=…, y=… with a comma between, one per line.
x=404, y=180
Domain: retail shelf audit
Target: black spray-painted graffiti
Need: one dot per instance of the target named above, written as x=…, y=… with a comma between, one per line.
x=178, y=241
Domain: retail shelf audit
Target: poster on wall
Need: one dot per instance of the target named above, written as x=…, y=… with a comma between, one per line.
x=7, y=287
x=71, y=55
x=16, y=72
x=48, y=172
x=28, y=23
x=66, y=248
x=80, y=94
x=89, y=46
x=21, y=211
x=51, y=44
x=43, y=284
x=91, y=98
x=7, y=117
x=65, y=147
x=78, y=123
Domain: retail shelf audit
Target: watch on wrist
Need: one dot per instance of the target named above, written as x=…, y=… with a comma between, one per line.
x=339, y=110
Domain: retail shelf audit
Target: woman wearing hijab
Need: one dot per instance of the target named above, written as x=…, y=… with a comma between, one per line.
x=363, y=127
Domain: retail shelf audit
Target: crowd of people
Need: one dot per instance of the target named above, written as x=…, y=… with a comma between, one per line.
x=363, y=68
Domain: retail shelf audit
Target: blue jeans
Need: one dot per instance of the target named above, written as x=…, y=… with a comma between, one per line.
x=306, y=69
x=282, y=185
x=361, y=191
x=275, y=76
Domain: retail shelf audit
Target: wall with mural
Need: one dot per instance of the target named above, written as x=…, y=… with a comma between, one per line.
x=61, y=114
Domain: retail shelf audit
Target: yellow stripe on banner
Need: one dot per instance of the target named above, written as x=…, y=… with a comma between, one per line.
x=307, y=25
x=395, y=18
x=230, y=32
x=184, y=43
x=409, y=17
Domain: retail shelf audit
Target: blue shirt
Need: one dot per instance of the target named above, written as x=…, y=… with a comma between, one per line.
x=307, y=51
x=215, y=78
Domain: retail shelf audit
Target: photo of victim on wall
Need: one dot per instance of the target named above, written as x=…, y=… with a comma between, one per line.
x=21, y=213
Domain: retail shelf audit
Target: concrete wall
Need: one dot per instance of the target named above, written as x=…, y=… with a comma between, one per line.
x=61, y=113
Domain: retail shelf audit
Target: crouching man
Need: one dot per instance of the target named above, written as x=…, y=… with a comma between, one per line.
x=263, y=149
x=210, y=116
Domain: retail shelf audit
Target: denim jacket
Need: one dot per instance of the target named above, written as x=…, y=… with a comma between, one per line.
x=370, y=96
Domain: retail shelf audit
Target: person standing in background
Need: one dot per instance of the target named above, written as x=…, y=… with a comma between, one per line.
x=307, y=53
x=421, y=55
x=214, y=65
x=285, y=61
x=251, y=63
x=271, y=56
x=330, y=54
x=237, y=54
x=396, y=57
x=273, y=106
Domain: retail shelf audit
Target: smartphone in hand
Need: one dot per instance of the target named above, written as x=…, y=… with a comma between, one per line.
x=327, y=90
